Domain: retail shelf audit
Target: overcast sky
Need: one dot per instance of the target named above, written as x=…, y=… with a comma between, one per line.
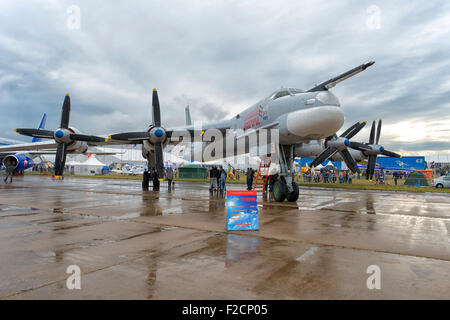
x=222, y=56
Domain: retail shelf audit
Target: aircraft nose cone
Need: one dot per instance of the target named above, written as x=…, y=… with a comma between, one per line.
x=381, y=148
x=59, y=134
x=347, y=143
x=315, y=123
x=159, y=133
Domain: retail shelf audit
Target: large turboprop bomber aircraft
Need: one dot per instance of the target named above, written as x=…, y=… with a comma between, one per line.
x=297, y=116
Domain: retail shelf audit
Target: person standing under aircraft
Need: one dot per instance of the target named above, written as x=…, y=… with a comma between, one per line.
x=249, y=178
x=170, y=178
x=222, y=179
x=9, y=171
x=213, y=176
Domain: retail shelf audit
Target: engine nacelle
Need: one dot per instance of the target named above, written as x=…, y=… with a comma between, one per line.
x=148, y=149
x=19, y=161
x=308, y=150
x=357, y=155
x=72, y=146
x=375, y=149
x=338, y=143
x=77, y=147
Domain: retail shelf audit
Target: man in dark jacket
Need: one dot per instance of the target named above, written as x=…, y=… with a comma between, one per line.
x=9, y=171
x=249, y=178
x=213, y=174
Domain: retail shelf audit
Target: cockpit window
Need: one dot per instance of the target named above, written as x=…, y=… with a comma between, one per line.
x=295, y=91
x=281, y=94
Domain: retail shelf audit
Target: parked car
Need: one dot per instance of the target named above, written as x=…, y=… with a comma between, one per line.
x=441, y=182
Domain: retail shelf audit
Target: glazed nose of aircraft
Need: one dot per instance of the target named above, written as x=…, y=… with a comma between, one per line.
x=315, y=123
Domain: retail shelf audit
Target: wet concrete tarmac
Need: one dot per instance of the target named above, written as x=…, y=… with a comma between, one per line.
x=131, y=244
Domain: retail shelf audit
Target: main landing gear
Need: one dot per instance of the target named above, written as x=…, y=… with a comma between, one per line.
x=285, y=188
x=151, y=174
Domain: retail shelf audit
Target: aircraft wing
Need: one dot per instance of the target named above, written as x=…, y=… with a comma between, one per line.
x=109, y=142
x=31, y=146
x=49, y=147
x=139, y=136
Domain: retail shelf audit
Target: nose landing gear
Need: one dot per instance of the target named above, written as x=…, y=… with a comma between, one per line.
x=286, y=188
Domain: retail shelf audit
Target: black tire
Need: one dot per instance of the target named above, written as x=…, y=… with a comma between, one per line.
x=293, y=195
x=439, y=186
x=279, y=191
x=145, y=180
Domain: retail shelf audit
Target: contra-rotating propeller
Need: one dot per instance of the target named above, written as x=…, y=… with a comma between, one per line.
x=63, y=136
x=156, y=135
x=373, y=149
x=340, y=144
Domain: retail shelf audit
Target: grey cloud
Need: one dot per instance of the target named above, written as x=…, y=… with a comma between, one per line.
x=420, y=146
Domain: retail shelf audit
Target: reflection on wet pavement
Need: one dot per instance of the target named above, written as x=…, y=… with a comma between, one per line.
x=134, y=244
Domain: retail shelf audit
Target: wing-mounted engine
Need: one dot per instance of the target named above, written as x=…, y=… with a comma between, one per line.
x=18, y=161
x=153, y=140
x=68, y=139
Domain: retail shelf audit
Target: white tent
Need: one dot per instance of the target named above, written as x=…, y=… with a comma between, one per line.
x=329, y=164
x=70, y=166
x=320, y=166
x=90, y=166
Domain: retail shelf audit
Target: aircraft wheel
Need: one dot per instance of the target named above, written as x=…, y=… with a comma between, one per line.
x=279, y=191
x=293, y=195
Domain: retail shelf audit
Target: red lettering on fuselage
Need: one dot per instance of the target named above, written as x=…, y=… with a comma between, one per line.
x=251, y=123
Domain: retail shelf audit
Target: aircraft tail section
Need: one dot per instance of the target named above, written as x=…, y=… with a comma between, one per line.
x=41, y=126
x=188, y=116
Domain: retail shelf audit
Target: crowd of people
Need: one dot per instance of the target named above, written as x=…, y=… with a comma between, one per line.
x=218, y=178
x=330, y=176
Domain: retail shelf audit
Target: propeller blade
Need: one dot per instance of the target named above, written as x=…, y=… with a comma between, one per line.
x=349, y=129
x=85, y=137
x=378, y=131
x=359, y=146
x=130, y=136
x=349, y=161
x=391, y=154
x=156, y=110
x=371, y=167
x=60, y=159
x=324, y=155
x=372, y=133
x=356, y=130
x=65, y=114
x=38, y=133
x=159, y=160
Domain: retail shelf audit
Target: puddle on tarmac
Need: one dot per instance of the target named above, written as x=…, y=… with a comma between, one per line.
x=6, y=207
